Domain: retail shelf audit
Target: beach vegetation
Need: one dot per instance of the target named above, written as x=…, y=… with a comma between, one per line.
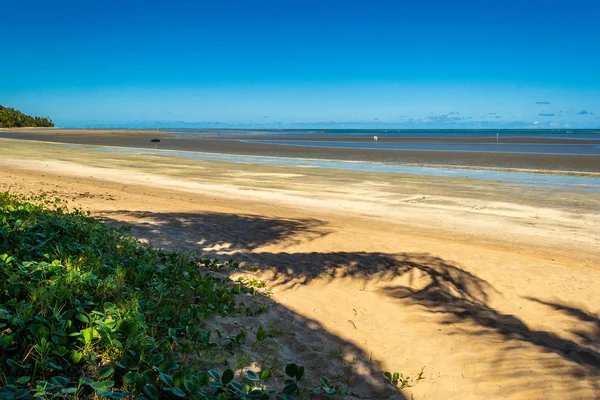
x=330, y=388
x=87, y=311
x=402, y=381
x=252, y=282
x=11, y=118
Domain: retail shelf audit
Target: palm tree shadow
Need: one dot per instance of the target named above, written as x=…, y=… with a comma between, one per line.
x=581, y=356
x=209, y=232
x=460, y=297
x=434, y=284
x=587, y=325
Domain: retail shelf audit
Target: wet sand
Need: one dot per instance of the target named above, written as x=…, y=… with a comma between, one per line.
x=234, y=145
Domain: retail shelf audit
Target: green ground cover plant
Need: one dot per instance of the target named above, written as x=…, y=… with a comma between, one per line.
x=402, y=381
x=87, y=311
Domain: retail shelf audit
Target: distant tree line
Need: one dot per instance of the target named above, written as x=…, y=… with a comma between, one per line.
x=11, y=118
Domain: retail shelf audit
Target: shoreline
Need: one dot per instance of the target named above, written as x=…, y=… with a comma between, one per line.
x=141, y=139
x=568, y=181
x=233, y=179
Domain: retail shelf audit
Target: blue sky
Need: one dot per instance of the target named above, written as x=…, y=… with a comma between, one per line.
x=429, y=64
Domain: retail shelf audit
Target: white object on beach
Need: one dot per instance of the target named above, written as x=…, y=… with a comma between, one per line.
x=375, y=138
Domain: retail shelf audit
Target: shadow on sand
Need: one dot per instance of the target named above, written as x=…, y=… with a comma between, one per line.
x=456, y=295
x=208, y=231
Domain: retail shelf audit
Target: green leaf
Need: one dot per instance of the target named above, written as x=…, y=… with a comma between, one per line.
x=20, y=394
x=236, y=388
x=240, y=336
x=102, y=386
x=71, y=390
x=255, y=394
x=105, y=372
x=291, y=370
x=252, y=376
x=52, y=364
x=151, y=391
x=86, y=381
x=60, y=381
x=76, y=356
x=131, y=377
x=261, y=334
x=300, y=373
x=83, y=318
x=168, y=366
x=157, y=359
x=88, y=335
x=290, y=388
x=227, y=376
x=150, y=375
x=202, y=379
x=189, y=385
x=13, y=364
x=179, y=378
x=23, y=380
x=115, y=395
x=178, y=392
x=166, y=379
x=140, y=383
x=215, y=385
x=265, y=374
x=214, y=374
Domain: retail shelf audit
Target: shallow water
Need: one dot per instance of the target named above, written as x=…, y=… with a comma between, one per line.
x=578, y=134
x=550, y=181
x=512, y=148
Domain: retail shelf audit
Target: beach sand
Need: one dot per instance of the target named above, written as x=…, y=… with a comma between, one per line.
x=491, y=287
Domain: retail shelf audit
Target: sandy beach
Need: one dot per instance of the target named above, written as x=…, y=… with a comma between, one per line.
x=491, y=287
